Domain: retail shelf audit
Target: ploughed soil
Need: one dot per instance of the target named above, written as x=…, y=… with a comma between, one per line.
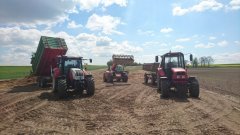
x=120, y=108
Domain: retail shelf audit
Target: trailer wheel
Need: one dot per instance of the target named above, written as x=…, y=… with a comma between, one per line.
x=145, y=79
x=104, y=78
x=182, y=91
x=54, y=85
x=194, y=88
x=90, y=87
x=153, y=80
x=62, y=88
x=158, y=84
x=164, y=88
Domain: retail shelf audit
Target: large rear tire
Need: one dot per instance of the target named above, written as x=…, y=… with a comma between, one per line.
x=90, y=87
x=194, y=88
x=164, y=88
x=62, y=88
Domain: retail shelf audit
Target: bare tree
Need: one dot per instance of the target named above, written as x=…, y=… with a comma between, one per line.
x=195, y=62
x=210, y=60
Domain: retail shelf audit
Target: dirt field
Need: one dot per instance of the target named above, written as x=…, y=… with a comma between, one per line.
x=119, y=108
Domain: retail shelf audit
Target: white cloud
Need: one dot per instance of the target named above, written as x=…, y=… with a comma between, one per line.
x=145, y=33
x=237, y=42
x=89, y=5
x=166, y=30
x=177, y=47
x=234, y=4
x=106, y=24
x=73, y=25
x=222, y=43
x=32, y=13
x=201, y=45
x=155, y=43
x=183, y=39
x=225, y=58
x=212, y=38
x=200, y=7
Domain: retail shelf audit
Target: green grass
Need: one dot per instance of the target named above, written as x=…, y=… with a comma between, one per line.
x=226, y=65
x=13, y=72
x=95, y=67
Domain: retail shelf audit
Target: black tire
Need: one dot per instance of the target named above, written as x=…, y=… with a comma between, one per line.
x=125, y=79
x=62, y=88
x=42, y=83
x=104, y=78
x=145, y=79
x=118, y=80
x=153, y=80
x=158, y=84
x=110, y=79
x=164, y=88
x=194, y=88
x=54, y=85
x=182, y=91
x=90, y=87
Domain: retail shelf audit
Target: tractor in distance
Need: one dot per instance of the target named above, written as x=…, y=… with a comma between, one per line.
x=116, y=72
x=171, y=74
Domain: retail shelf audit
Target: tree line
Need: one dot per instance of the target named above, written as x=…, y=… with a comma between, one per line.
x=204, y=61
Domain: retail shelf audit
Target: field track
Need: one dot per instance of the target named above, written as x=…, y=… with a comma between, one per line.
x=119, y=108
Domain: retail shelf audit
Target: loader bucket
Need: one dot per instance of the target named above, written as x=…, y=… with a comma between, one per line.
x=123, y=59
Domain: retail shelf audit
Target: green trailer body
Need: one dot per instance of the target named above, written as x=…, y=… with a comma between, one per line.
x=45, y=56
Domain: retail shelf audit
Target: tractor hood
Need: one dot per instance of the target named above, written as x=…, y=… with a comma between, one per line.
x=174, y=70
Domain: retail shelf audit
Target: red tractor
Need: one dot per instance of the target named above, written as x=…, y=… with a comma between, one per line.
x=171, y=74
x=116, y=72
x=70, y=75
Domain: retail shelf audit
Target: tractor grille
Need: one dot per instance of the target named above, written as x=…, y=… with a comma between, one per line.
x=180, y=73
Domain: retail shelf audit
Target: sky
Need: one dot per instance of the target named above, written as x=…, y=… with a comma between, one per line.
x=99, y=28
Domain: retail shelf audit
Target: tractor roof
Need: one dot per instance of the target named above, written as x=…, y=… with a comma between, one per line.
x=173, y=54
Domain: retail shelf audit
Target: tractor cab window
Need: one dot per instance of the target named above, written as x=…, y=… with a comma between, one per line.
x=174, y=61
x=119, y=68
x=73, y=63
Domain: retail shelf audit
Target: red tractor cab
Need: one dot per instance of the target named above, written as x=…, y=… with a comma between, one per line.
x=70, y=75
x=171, y=74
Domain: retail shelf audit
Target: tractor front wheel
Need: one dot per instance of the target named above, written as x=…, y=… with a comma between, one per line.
x=164, y=88
x=194, y=88
x=158, y=84
x=125, y=79
x=90, y=87
x=54, y=85
x=62, y=88
x=145, y=79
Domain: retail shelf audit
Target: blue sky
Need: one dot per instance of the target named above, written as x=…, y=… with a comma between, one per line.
x=99, y=28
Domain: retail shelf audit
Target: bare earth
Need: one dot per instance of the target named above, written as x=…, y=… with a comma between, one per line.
x=119, y=108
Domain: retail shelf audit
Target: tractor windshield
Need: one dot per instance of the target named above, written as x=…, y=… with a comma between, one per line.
x=174, y=61
x=73, y=63
x=119, y=68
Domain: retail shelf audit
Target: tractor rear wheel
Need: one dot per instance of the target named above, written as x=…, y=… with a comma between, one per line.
x=164, y=88
x=62, y=88
x=194, y=88
x=182, y=91
x=90, y=87
x=145, y=79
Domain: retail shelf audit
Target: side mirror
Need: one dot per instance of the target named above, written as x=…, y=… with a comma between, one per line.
x=90, y=60
x=156, y=58
x=191, y=57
